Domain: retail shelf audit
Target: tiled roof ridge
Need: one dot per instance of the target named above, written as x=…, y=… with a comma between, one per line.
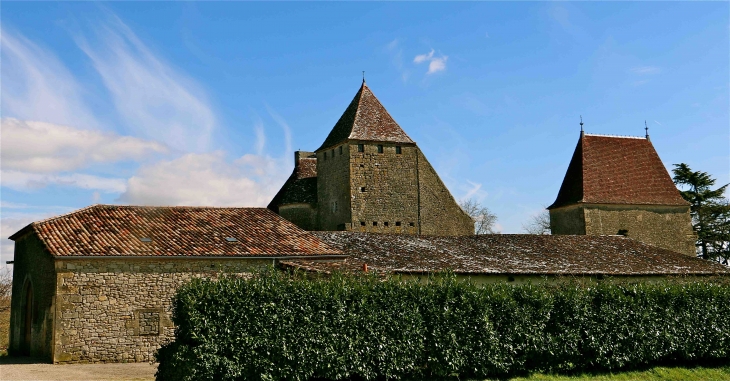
x=617, y=136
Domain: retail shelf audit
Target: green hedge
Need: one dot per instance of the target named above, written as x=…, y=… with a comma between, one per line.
x=275, y=326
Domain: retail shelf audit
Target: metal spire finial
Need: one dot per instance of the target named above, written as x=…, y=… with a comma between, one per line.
x=581, y=123
x=646, y=127
x=363, y=76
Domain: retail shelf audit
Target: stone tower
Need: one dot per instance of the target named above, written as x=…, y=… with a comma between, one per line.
x=618, y=185
x=369, y=176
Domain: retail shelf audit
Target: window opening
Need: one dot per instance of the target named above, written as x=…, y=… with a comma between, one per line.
x=362, y=223
x=145, y=239
x=397, y=223
x=398, y=150
x=362, y=189
x=360, y=148
x=385, y=223
x=410, y=224
x=380, y=148
x=333, y=153
x=375, y=223
x=325, y=155
x=340, y=150
x=231, y=239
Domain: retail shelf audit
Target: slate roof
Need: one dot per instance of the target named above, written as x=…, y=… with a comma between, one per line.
x=112, y=230
x=617, y=170
x=514, y=254
x=300, y=187
x=365, y=119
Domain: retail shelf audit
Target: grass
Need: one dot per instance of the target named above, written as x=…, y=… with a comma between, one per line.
x=654, y=374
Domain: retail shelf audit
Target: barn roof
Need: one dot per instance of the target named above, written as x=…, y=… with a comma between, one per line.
x=617, y=170
x=365, y=119
x=113, y=230
x=515, y=254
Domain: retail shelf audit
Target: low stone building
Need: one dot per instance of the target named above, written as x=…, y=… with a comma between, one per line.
x=617, y=185
x=506, y=257
x=96, y=285
x=369, y=176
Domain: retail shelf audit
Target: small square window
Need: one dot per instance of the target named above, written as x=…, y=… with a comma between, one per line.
x=398, y=150
x=361, y=148
x=362, y=189
x=385, y=223
x=375, y=223
x=410, y=224
x=380, y=148
x=397, y=223
x=340, y=150
x=362, y=223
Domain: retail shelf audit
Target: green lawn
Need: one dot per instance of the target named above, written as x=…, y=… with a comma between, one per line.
x=655, y=374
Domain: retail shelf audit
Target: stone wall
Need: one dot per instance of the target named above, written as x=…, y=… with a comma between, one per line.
x=440, y=213
x=118, y=310
x=302, y=215
x=668, y=227
x=33, y=267
x=333, y=193
x=384, y=188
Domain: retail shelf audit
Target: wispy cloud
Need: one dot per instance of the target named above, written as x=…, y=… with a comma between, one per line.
x=156, y=100
x=435, y=64
x=46, y=147
x=655, y=121
x=396, y=53
x=284, y=127
x=37, y=86
x=646, y=70
x=26, y=181
x=251, y=180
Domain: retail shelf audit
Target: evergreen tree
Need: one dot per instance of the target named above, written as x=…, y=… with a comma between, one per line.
x=710, y=212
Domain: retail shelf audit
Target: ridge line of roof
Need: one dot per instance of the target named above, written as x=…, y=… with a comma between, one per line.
x=617, y=136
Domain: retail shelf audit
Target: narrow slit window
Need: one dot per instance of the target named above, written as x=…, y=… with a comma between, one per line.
x=398, y=150
x=361, y=148
x=325, y=155
x=380, y=148
x=340, y=150
x=375, y=223
x=333, y=153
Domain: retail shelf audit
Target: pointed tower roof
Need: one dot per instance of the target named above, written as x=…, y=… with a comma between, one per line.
x=365, y=119
x=617, y=170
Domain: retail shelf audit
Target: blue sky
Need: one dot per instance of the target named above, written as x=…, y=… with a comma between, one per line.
x=165, y=103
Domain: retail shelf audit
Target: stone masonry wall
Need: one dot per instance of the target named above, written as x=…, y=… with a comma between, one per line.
x=32, y=265
x=119, y=310
x=333, y=193
x=567, y=220
x=302, y=215
x=440, y=213
x=384, y=188
x=666, y=227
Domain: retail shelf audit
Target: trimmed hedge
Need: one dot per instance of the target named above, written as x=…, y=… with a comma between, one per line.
x=275, y=326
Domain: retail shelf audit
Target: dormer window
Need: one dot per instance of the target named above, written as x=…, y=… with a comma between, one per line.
x=380, y=148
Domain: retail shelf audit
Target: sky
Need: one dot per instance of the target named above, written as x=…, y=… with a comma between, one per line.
x=182, y=103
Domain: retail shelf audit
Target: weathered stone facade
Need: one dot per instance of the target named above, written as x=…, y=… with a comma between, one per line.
x=370, y=177
x=667, y=227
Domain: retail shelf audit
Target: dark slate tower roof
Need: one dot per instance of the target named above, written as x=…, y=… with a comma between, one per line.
x=617, y=170
x=366, y=119
x=301, y=186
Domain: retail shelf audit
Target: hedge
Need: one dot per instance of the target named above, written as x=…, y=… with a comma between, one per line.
x=276, y=326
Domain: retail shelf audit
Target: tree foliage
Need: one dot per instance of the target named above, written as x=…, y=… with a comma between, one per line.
x=710, y=212
x=484, y=219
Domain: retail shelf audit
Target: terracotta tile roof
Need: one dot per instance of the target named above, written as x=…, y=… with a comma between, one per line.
x=617, y=170
x=506, y=254
x=300, y=187
x=365, y=119
x=111, y=230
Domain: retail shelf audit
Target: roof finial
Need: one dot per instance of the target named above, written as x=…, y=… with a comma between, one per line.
x=581, y=127
x=646, y=127
x=363, y=76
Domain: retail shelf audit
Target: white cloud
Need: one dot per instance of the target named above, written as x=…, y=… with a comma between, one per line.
x=26, y=181
x=396, y=53
x=646, y=70
x=435, y=64
x=155, y=100
x=37, y=86
x=45, y=147
x=207, y=179
x=423, y=57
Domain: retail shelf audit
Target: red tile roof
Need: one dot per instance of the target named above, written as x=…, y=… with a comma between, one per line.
x=518, y=254
x=111, y=230
x=300, y=187
x=365, y=119
x=617, y=170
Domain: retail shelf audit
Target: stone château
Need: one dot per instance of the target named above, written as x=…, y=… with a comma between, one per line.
x=617, y=185
x=369, y=176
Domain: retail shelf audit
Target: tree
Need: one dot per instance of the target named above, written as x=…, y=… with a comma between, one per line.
x=710, y=212
x=538, y=224
x=484, y=220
